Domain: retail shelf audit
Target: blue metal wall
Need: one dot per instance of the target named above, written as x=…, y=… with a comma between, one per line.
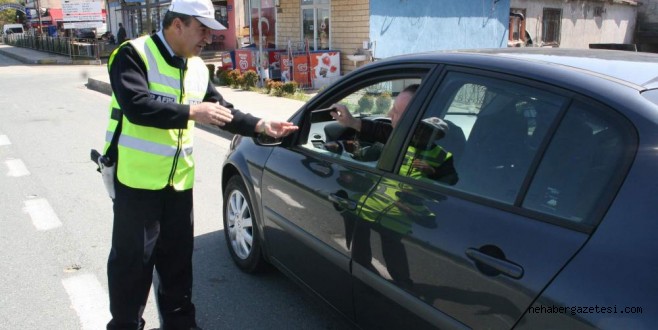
x=411, y=26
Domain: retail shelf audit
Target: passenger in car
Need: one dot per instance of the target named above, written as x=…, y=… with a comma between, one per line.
x=427, y=159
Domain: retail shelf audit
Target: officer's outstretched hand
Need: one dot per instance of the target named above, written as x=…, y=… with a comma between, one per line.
x=210, y=113
x=275, y=128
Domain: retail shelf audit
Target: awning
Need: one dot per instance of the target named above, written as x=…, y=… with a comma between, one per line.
x=54, y=15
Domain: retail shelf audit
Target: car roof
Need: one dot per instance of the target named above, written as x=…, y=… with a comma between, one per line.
x=635, y=68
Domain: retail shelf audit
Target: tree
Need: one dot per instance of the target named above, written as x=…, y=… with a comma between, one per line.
x=8, y=16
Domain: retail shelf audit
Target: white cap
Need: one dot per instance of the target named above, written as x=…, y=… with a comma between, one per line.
x=202, y=10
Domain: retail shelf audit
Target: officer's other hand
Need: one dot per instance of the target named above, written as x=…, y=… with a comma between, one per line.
x=210, y=113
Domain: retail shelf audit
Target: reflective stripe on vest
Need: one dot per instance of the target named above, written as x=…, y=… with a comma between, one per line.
x=152, y=158
x=433, y=157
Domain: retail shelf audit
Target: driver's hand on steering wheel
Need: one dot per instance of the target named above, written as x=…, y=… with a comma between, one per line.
x=334, y=147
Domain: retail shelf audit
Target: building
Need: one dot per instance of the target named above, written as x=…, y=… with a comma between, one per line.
x=339, y=29
x=647, y=26
x=385, y=28
x=572, y=23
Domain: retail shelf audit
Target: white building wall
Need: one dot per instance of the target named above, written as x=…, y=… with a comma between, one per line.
x=579, y=26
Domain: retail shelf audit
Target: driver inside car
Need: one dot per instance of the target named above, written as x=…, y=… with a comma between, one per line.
x=377, y=132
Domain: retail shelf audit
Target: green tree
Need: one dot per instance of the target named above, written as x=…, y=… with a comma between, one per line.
x=8, y=16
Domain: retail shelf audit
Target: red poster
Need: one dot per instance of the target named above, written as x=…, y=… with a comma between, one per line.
x=285, y=67
x=325, y=68
x=245, y=60
x=274, y=56
x=300, y=69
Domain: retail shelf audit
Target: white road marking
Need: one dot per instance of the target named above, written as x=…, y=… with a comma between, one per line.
x=89, y=300
x=4, y=140
x=16, y=168
x=43, y=216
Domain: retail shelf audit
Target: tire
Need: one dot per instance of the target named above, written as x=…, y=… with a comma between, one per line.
x=241, y=229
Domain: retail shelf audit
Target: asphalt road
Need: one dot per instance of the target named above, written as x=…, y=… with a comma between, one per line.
x=56, y=220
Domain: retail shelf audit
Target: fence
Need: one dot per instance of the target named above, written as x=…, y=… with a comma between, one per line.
x=72, y=47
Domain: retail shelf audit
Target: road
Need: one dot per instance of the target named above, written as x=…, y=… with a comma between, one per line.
x=56, y=220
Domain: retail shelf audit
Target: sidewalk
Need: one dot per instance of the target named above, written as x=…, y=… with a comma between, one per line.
x=259, y=105
x=31, y=56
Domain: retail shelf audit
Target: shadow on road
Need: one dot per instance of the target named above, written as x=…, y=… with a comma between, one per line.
x=227, y=298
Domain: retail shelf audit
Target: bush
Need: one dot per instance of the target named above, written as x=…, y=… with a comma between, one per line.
x=211, y=72
x=234, y=78
x=366, y=103
x=249, y=80
x=383, y=103
x=277, y=87
x=290, y=87
x=268, y=85
x=223, y=77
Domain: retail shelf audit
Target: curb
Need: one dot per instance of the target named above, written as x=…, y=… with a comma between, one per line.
x=17, y=57
x=105, y=88
x=57, y=59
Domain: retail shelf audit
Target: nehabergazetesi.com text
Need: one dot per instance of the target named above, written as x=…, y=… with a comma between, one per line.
x=573, y=310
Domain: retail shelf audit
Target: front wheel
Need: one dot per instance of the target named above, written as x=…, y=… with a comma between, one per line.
x=240, y=228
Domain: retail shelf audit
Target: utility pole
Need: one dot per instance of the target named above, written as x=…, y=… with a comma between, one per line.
x=39, y=15
x=260, y=43
x=148, y=18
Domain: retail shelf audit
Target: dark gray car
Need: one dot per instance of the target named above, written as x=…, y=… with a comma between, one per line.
x=547, y=220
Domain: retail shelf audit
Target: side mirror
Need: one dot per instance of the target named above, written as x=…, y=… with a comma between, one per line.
x=267, y=141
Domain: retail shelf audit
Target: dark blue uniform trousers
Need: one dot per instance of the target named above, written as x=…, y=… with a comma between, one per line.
x=151, y=228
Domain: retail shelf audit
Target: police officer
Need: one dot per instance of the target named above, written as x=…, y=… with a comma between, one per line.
x=160, y=88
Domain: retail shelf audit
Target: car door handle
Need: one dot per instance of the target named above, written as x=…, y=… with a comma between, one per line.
x=343, y=202
x=495, y=263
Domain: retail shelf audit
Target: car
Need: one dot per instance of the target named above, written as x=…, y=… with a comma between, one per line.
x=15, y=29
x=547, y=222
x=85, y=33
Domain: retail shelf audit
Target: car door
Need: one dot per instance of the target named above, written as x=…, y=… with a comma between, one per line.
x=462, y=248
x=311, y=191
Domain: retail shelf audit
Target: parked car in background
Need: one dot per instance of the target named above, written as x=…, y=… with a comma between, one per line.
x=8, y=29
x=550, y=224
x=86, y=33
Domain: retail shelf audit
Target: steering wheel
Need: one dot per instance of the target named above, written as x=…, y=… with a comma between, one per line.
x=336, y=147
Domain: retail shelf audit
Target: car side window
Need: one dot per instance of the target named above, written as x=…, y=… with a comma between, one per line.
x=584, y=156
x=369, y=103
x=480, y=135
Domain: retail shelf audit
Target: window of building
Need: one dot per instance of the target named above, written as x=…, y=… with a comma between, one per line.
x=551, y=25
x=259, y=15
x=316, y=20
x=221, y=12
x=517, y=31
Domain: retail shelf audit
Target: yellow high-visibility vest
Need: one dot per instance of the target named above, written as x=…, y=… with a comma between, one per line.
x=153, y=158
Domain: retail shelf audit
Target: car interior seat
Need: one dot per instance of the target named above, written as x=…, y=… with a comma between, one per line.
x=561, y=183
x=495, y=156
x=454, y=141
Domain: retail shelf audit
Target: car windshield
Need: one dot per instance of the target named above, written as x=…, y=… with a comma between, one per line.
x=15, y=30
x=651, y=95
